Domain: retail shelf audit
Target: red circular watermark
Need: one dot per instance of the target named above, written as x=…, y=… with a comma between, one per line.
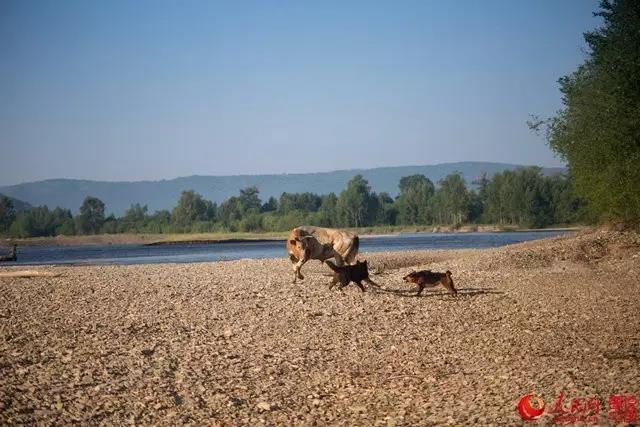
x=530, y=407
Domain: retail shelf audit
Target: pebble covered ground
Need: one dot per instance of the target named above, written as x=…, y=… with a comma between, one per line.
x=231, y=343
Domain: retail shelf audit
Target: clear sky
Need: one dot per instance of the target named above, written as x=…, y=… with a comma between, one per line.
x=130, y=90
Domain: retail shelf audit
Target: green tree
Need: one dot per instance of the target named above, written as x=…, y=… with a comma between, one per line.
x=476, y=207
x=36, y=222
x=413, y=201
x=192, y=207
x=63, y=223
x=354, y=204
x=110, y=225
x=328, y=211
x=91, y=217
x=308, y=202
x=230, y=211
x=40, y=221
x=452, y=200
x=159, y=222
x=7, y=214
x=249, y=199
x=270, y=205
x=252, y=221
x=387, y=212
x=481, y=195
x=526, y=197
x=566, y=206
x=134, y=219
x=597, y=131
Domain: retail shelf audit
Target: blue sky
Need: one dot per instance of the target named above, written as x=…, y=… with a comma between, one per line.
x=157, y=89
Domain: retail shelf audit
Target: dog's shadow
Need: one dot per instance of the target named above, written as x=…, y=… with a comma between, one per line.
x=430, y=293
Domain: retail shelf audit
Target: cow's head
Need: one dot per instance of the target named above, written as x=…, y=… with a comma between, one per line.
x=302, y=243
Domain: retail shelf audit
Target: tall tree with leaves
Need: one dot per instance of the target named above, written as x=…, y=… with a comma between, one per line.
x=354, y=203
x=328, y=211
x=7, y=214
x=412, y=203
x=270, y=205
x=249, y=199
x=598, y=132
x=229, y=211
x=91, y=216
x=386, y=212
x=191, y=208
x=453, y=199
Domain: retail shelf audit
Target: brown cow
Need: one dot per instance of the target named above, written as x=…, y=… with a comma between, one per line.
x=307, y=242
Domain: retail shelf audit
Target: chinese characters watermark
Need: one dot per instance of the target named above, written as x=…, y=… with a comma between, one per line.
x=623, y=408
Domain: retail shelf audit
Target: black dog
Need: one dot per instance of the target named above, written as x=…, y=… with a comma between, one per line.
x=350, y=273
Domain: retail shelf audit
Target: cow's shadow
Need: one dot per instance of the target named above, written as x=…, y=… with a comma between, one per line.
x=431, y=293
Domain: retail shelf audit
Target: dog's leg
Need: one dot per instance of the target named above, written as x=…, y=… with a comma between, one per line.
x=333, y=281
x=420, y=288
x=360, y=286
x=343, y=283
x=451, y=289
x=371, y=282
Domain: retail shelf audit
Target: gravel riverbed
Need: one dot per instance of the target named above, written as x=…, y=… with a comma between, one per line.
x=231, y=343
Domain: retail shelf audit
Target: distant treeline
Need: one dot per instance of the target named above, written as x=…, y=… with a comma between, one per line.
x=523, y=197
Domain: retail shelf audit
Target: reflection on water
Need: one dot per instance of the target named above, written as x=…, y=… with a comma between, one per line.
x=140, y=254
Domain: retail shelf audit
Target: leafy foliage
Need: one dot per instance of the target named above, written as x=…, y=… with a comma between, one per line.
x=355, y=202
x=192, y=207
x=413, y=201
x=40, y=221
x=598, y=130
x=91, y=216
x=7, y=213
x=451, y=202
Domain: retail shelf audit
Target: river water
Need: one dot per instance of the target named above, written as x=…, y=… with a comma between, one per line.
x=140, y=254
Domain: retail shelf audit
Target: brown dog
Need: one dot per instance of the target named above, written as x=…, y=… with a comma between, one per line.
x=357, y=273
x=428, y=278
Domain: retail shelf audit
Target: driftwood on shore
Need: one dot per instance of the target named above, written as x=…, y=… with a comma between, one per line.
x=12, y=255
x=28, y=273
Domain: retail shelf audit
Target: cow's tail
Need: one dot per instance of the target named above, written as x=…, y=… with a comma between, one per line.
x=350, y=256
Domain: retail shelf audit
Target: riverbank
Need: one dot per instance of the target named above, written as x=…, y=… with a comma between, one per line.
x=235, y=342
x=208, y=238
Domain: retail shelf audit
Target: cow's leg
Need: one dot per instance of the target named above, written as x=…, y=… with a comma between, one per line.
x=296, y=270
x=294, y=260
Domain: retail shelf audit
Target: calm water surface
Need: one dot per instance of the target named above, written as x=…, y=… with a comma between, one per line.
x=140, y=254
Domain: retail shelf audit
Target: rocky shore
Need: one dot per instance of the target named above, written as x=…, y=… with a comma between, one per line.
x=235, y=342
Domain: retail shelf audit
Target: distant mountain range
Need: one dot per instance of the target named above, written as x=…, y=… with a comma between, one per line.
x=163, y=194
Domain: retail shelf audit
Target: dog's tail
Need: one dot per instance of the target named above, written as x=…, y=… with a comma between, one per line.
x=332, y=266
